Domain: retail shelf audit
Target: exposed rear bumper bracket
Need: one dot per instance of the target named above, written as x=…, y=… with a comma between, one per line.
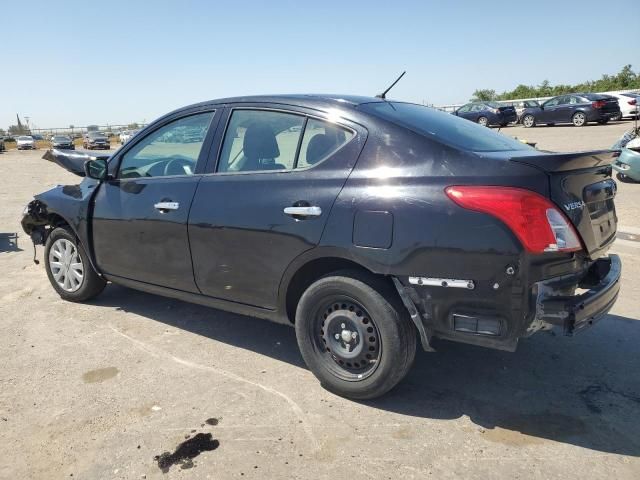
x=575, y=313
x=415, y=315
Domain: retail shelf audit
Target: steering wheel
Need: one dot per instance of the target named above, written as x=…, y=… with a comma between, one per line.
x=178, y=166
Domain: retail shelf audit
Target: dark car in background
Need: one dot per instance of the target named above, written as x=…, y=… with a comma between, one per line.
x=488, y=113
x=2, y=146
x=576, y=108
x=367, y=224
x=96, y=140
x=62, y=142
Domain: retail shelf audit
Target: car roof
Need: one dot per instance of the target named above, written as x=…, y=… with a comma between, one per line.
x=312, y=100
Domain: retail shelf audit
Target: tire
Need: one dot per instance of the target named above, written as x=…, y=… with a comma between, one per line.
x=484, y=121
x=579, y=119
x=364, y=309
x=528, y=121
x=61, y=249
x=625, y=179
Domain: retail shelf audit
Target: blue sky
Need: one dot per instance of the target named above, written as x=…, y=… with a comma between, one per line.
x=111, y=62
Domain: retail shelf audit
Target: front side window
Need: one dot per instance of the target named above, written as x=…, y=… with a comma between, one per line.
x=465, y=108
x=171, y=150
x=552, y=103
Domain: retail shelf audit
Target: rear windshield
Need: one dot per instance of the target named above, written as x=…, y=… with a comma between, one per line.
x=443, y=127
x=632, y=95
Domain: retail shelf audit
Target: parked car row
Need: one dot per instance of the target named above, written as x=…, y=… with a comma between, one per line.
x=577, y=108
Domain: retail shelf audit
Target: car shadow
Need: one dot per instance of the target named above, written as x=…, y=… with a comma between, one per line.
x=583, y=390
x=9, y=242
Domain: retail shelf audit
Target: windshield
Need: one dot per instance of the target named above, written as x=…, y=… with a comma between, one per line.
x=61, y=139
x=96, y=134
x=443, y=127
x=25, y=138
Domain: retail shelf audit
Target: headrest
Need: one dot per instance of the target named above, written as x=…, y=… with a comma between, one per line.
x=260, y=142
x=318, y=147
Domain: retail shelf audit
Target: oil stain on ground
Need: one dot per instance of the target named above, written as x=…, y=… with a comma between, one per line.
x=99, y=375
x=186, y=452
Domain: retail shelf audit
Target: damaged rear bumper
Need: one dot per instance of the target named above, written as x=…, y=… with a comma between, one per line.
x=577, y=312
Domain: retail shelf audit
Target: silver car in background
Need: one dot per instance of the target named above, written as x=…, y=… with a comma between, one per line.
x=25, y=142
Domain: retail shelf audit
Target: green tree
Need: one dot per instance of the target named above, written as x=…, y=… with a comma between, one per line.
x=626, y=79
x=484, y=95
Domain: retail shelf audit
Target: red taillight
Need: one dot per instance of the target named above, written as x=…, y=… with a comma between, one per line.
x=598, y=104
x=537, y=223
x=632, y=102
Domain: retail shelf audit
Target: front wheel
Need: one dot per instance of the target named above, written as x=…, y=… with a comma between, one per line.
x=579, y=119
x=528, y=121
x=484, y=121
x=355, y=335
x=69, y=269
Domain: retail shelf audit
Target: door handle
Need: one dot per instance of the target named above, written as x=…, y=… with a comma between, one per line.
x=303, y=211
x=164, y=206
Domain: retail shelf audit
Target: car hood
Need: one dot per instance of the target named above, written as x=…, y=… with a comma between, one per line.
x=71, y=161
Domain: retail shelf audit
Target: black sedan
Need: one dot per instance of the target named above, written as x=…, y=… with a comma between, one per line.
x=488, y=113
x=62, y=142
x=367, y=224
x=576, y=108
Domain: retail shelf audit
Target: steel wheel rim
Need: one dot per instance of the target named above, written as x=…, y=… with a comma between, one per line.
x=66, y=265
x=528, y=121
x=483, y=121
x=578, y=119
x=357, y=357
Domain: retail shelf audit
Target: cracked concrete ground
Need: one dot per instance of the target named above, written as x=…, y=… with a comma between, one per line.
x=97, y=390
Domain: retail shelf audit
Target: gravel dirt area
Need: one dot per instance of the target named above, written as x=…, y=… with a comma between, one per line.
x=133, y=385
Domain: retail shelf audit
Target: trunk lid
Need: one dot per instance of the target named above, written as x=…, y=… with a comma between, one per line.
x=580, y=184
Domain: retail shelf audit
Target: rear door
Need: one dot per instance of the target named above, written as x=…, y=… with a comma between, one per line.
x=266, y=199
x=140, y=216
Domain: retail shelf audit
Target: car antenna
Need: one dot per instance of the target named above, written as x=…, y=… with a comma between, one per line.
x=383, y=95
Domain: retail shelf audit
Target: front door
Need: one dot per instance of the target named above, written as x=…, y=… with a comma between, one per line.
x=549, y=113
x=140, y=216
x=267, y=199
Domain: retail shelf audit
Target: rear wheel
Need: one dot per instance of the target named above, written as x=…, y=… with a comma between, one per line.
x=625, y=179
x=354, y=335
x=484, y=121
x=69, y=269
x=579, y=119
x=528, y=121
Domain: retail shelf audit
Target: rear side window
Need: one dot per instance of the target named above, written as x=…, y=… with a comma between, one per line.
x=263, y=140
x=320, y=141
x=442, y=127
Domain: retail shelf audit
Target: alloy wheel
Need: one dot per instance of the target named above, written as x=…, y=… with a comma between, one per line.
x=579, y=119
x=483, y=121
x=66, y=265
x=527, y=121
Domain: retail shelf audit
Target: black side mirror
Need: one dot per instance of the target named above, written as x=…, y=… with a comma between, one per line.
x=96, y=169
